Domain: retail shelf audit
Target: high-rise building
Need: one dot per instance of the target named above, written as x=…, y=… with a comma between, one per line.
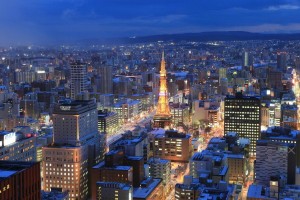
x=242, y=115
x=290, y=138
x=297, y=64
x=74, y=121
x=127, y=111
x=180, y=114
x=76, y=147
x=173, y=146
x=274, y=79
x=20, y=180
x=222, y=73
x=162, y=118
x=106, y=82
x=113, y=169
x=271, y=113
x=247, y=59
x=78, y=78
x=281, y=60
x=272, y=160
x=108, y=122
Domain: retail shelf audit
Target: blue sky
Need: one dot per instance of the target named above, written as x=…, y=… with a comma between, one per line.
x=46, y=21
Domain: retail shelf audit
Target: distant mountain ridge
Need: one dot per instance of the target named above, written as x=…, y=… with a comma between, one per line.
x=211, y=36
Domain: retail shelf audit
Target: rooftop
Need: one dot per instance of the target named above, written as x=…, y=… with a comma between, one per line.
x=101, y=165
x=9, y=168
x=115, y=185
x=144, y=192
x=255, y=191
x=158, y=160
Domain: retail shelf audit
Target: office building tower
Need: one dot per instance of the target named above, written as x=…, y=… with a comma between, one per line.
x=172, y=145
x=180, y=114
x=274, y=79
x=272, y=159
x=106, y=79
x=271, y=113
x=162, y=118
x=127, y=111
x=222, y=73
x=281, y=60
x=297, y=64
x=76, y=147
x=114, y=191
x=108, y=122
x=237, y=168
x=74, y=121
x=247, y=59
x=112, y=164
x=223, y=88
x=78, y=78
x=137, y=163
x=290, y=138
x=106, y=102
x=242, y=115
x=20, y=180
x=122, y=86
x=113, y=169
x=24, y=76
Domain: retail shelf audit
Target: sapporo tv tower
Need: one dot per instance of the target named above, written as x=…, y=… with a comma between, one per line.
x=162, y=118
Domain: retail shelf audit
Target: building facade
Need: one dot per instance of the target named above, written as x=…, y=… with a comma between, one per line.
x=160, y=168
x=76, y=147
x=20, y=180
x=173, y=146
x=114, y=191
x=17, y=147
x=242, y=115
x=78, y=78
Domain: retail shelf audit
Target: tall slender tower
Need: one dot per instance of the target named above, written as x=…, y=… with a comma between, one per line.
x=106, y=79
x=78, y=78
x=162, y=118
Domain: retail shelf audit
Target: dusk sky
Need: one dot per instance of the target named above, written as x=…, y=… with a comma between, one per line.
x=46, y=21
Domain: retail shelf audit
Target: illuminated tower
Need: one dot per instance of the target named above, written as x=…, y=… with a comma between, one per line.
x=162, y=118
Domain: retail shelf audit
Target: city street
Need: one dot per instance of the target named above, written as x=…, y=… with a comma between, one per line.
x=178, y=171
x=129, y=126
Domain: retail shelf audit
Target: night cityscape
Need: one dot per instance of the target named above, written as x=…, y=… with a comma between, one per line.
x=150, y=100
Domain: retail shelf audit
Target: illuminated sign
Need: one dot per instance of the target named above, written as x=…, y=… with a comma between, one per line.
x=65, y=107
x=9, y=138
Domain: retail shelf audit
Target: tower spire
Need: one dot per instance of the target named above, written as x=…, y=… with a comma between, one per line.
x=162, y=117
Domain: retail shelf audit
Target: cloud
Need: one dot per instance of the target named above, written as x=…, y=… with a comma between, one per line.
x=283, y=7
x=142, y=20
x=268, y=28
